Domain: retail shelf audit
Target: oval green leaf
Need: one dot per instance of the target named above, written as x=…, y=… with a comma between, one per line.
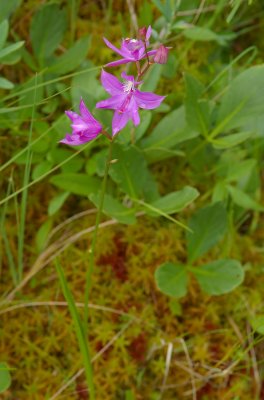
x=5, y=377
x=172, y=279
x=209, y=225
x=219, y=277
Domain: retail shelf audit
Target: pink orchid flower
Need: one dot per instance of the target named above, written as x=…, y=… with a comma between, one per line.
x=84, y=127
x=126, y=99
x=131, y=49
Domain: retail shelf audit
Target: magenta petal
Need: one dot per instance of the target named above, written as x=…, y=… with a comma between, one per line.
x=147, y=100
x=119, y=62
x=111, y=83
x=127, y=77
x=112, y=47
x=75, y=140
x=85, y=113
x=119, y=121
x=151, y=53
x=149, y=32
x=72, y=115
x=113, y=102
x=84, y=127
x=134, y=112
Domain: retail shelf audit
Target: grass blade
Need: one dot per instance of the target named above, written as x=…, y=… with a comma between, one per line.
x=83, y=344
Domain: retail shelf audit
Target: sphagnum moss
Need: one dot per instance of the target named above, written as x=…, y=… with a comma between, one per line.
x=48, y=354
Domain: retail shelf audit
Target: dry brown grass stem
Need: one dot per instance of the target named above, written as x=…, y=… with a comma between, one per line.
x=199, y=12
x=52, y=252
x=69, y=220
x=133, y=16
x=252, y=353
x=64, y=304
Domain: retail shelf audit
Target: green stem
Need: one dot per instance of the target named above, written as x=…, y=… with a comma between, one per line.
x=90, y=269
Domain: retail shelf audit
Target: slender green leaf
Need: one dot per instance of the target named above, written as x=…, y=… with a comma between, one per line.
x=72, y=58
x=3, y=32
x=245, y=95
x=47, y=30
x=7, y=7
x=115, y=209
x=202, y=34
x=80, y=184
x=5, y=84
x=57, y=202
x=175, y=201
x=169, y=132
x=197, y=110
x=243, y=200
x=130, y=172
x=10, y=49
x=83, y=343
x=42, y=235
x=228, y=141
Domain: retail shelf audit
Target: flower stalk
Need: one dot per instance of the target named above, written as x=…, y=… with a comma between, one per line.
x=90, y=270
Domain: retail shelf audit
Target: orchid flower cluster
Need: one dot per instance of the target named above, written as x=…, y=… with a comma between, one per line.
x=126, y=98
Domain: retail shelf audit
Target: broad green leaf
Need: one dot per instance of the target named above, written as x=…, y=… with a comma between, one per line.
x=172, y=279
x=86, y=85
x=170, y=68
x=42, y=234
x=115, y=209
x=80, y=184
x=243, y=200
x=243, y=101
x=3, y=32
x=5, y=377
x=10, y=49
x=57, y=155
x=72, y=58
x=197, y=110
x=47, y=30
x=209, y=225
x=134, y=134
x=227, y=141
x=35, y=95
x=219, y=277
x=164, y=8
x=41, y=169
x=131, y=173
x=57, y=202
x=169, y=132
x=175, y=201
x=5, y=84
x=257, y=324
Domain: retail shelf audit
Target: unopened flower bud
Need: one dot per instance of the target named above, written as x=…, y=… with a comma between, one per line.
x=161, y=56
x=142, y=33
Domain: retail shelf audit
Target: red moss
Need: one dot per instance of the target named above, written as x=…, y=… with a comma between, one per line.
x=138, y=348
x=117, y=260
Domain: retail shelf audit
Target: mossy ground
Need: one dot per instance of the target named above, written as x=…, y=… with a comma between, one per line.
x=215, y=354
